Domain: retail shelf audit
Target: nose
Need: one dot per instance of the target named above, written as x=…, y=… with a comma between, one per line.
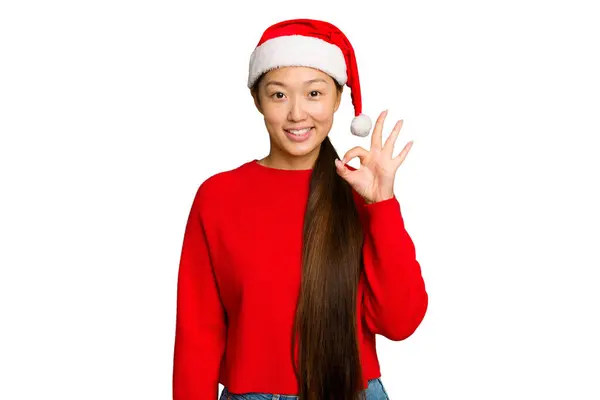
x=297, y=112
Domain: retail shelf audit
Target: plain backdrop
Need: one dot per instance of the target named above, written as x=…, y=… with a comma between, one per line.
x=112, y=114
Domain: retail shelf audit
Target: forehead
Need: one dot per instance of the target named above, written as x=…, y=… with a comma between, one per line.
x=299, y=75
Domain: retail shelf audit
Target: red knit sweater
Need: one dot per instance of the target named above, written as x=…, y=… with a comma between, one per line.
x=239, y=277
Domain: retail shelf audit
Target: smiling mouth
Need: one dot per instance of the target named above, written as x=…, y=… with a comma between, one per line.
x=299, y=132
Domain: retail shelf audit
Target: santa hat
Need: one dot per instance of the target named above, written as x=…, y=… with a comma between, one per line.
x=316, y=44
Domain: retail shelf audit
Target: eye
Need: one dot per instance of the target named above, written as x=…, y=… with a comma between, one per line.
x=315, y=91
x=276, y=95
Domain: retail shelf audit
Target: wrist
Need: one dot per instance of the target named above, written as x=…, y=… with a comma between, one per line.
x=379, y=199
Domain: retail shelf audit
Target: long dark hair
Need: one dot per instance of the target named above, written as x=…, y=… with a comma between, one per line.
x=328, y=364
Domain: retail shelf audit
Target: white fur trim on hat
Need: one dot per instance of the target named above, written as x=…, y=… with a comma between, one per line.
x=361, y=125
x=297, y=50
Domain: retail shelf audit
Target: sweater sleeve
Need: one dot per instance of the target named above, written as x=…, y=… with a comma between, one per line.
x=394, y=297
x=200, y=321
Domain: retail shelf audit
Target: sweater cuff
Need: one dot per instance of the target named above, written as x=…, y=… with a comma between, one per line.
x=384, y=212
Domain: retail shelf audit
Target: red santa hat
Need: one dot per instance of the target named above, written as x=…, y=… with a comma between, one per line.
x=316, y=44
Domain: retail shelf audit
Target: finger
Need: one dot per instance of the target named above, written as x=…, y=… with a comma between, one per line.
x=391, y=140
x=357, y=151
x=376, y=136
x=343, y=171
x=399, y=159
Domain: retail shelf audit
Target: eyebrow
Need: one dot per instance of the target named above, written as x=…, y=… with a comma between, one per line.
x=306, y=83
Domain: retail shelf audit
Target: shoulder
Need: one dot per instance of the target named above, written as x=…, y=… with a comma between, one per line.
x=218, y=187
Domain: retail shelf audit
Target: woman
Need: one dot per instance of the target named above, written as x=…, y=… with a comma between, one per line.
x=293, y=263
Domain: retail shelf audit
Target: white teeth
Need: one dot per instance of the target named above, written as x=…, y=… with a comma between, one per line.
x=299, y=132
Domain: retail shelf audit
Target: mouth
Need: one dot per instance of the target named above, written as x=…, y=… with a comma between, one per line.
x=299, y=135
x=299, y=132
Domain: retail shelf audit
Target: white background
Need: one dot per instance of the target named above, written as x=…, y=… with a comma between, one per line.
x=112, y=113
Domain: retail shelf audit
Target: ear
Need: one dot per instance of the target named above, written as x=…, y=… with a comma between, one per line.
x=339, y=99
x=256, y=103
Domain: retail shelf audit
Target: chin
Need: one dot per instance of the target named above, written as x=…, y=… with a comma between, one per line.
x=300, y=150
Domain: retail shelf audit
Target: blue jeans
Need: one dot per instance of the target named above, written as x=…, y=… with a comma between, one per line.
x=375, y=391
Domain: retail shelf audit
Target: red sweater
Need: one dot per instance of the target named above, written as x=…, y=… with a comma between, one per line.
x=239, y=277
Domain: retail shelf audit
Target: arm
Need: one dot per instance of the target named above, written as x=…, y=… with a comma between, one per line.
x=394, y=298
x=200, y=328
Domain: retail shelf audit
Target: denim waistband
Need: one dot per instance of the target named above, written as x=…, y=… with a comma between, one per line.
x=374, y=391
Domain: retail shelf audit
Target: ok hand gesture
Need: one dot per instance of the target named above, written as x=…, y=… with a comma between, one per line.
x=374, y=180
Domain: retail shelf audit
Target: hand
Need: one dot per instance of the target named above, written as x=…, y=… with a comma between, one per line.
x=374, y=180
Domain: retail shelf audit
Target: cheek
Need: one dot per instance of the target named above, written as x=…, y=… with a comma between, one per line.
x=322, y=113
x=274, y=114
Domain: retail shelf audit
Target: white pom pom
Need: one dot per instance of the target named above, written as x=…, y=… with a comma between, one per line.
x=361, y=125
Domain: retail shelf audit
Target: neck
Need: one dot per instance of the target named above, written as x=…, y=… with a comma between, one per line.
x=290, y=162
